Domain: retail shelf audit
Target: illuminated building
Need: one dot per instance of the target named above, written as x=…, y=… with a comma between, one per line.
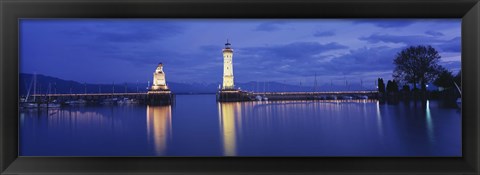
x=228, y=91
x=159, y=92
x=227, y=67
x=159, y=83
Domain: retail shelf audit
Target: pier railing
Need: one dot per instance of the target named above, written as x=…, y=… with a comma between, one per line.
x=161, y=97
x=227, y=96
x=88, y=94
x=315, y=93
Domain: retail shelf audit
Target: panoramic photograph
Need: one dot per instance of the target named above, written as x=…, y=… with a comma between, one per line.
x=240, y=87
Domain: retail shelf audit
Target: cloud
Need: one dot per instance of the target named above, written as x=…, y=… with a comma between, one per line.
x=135, y=47
x=297, y=50
x=279, y=62
x=434, y=33
x=269, y=26
x=365, y=59
x=301, y=59
x=139, y=42
x=391, y=23
x=454, y=66
x=123, y=31
x=407, y=39
x=127, y=37
x=452, y=45
x=323, y=34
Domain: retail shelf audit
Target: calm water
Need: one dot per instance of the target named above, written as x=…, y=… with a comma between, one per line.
x=196, y=125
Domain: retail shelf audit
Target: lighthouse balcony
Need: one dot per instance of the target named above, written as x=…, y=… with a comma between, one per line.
x=159, y=92
x=228, y=88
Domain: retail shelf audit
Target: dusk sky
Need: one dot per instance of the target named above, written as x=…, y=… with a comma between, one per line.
x=282, y=50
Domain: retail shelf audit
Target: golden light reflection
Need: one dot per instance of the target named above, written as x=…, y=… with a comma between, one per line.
x=159, y=126
x=230, y=117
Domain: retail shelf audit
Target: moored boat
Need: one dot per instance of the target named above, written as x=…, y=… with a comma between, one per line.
x=28, y=105
x=50, y=105
x=109, y=101
x=76, y=102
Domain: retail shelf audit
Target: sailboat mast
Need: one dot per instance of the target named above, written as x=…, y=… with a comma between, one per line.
x=29, y=88
x=264, y=87
x=34, y=86
x=49, y=91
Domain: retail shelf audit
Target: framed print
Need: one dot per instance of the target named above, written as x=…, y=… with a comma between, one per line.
x=236, y=87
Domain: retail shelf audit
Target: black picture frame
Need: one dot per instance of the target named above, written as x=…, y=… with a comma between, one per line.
x=12, y=10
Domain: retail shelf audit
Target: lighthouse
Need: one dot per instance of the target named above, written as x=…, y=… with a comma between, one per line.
x=228, y=92
x=227, y=67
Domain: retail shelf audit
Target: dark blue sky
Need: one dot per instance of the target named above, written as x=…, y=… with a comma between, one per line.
x=287, y=50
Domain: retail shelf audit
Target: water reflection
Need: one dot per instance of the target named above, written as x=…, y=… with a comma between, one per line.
x=258, y=125
x=159, y=126
x=203, y=127
x=229, y=116
x=429, y=121
x=379, y=120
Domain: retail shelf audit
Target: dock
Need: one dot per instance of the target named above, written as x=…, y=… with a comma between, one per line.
x=238, y=95
x=151, y=98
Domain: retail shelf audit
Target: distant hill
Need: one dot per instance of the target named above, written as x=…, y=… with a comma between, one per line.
x=61, y=86
x=68, y=86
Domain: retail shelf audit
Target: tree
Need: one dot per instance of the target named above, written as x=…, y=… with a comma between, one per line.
x=406, y=88
x=381, y=86
x=394, y=86
x=445, y=79
x=389, y=87
x=417, y=65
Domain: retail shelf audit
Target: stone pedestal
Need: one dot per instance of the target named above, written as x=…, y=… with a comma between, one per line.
x=232, y=96
x=159, y=97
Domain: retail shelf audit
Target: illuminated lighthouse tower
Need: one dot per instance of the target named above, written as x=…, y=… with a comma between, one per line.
x=227, y=67
x=228, y=91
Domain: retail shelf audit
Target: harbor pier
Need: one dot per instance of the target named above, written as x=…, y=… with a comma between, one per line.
x=150, y=98
x=327, y=95
x=237, y=95
x=234, y=96
x=159, y=98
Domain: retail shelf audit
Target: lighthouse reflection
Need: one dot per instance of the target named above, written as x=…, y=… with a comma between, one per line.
x=159, y=127
x=230, y=119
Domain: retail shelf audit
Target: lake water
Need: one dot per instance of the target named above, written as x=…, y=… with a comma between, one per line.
x=196, y=125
